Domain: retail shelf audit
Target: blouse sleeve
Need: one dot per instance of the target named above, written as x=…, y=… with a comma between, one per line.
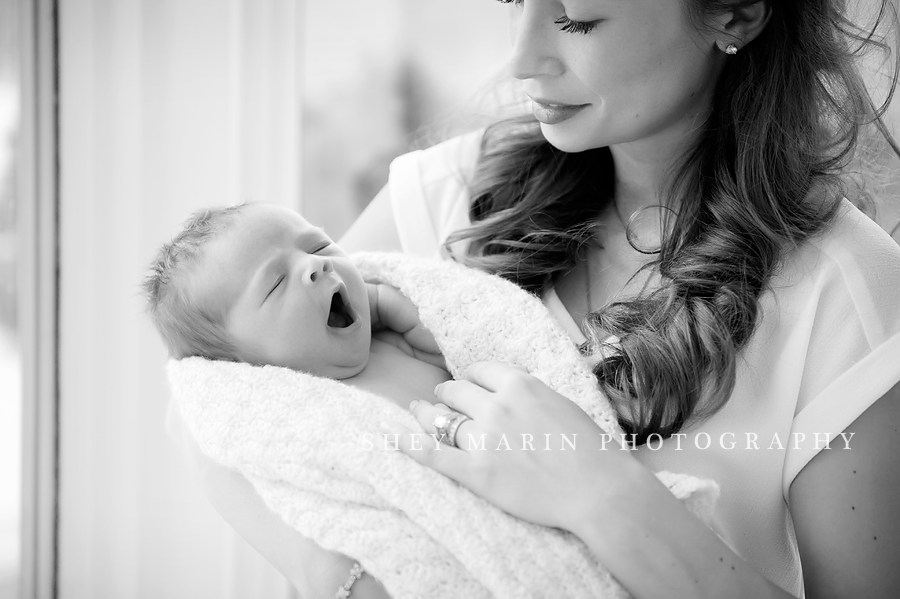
x=429, y=192
x=853, y=355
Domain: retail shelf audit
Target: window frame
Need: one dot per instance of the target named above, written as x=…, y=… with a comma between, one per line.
x=37, y=208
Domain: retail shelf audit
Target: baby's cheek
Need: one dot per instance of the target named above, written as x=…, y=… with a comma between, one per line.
x=282, y=350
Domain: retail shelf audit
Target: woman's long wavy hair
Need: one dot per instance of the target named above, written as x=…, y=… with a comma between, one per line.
x=765, y=174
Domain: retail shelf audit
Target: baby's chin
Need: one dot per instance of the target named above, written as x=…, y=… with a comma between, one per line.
x=339, y=372
x=349, y=362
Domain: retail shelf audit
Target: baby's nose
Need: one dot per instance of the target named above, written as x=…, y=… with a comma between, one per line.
x=318, y=266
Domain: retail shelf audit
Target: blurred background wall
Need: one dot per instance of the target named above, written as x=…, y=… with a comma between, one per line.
x=383, y=77
x=167, y=106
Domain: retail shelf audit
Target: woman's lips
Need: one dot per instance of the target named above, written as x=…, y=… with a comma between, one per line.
x=551, y=114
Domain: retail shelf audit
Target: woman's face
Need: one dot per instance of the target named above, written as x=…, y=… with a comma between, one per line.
x=611, y=72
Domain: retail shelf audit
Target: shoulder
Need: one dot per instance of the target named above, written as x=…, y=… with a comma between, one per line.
x=853, y=238
x=429, y=191
x=838, y=318
x=851, y=268
x=840, y=294
x=454, y=158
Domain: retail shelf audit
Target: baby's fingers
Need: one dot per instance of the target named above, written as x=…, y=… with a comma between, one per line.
x=421, y=339
x=433, y=359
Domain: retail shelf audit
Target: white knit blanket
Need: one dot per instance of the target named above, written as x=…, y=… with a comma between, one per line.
x=299, y=439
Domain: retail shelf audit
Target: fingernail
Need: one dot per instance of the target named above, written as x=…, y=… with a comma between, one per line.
x=437, y=388
x=412, y=404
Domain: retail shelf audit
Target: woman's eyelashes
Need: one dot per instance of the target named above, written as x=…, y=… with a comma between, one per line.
x=565, y=23
x=569, y=26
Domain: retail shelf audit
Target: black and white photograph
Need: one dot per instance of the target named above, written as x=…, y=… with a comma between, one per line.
x=482, y=299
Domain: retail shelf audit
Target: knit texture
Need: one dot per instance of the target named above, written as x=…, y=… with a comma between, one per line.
x=310, y=447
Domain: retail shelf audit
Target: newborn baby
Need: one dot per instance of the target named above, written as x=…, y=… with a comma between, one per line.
x=259, y=284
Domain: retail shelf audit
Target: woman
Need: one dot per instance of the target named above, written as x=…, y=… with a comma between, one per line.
x=679, y=187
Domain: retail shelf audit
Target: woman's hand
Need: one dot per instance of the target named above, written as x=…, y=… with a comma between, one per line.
x=517, y=451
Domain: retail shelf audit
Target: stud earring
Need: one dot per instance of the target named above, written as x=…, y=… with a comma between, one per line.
x=731, y=49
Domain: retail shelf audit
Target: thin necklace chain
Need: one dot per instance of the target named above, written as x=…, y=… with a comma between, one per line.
x=585, y=347
x=588, y=284
x=587, y=259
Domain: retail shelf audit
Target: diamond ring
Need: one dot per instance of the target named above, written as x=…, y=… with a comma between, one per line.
x=447, y=424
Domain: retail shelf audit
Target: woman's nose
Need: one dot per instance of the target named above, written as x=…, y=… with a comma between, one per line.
x=314, y=267
x=534, y=43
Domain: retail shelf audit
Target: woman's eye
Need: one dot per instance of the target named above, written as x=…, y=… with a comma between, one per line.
x=565, y=23
x=569, y=26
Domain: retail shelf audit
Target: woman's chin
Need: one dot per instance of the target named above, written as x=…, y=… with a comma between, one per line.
x=568, y=139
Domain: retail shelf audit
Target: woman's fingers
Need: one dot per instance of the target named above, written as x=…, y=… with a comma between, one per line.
x=463, y=396
x=495, y=376
x=473, y=397
x=426, y=450
x=425, y=413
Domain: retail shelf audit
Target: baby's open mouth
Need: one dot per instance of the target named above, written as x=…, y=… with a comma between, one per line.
x=340, y=315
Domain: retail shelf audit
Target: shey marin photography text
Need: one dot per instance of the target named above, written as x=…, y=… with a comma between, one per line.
x=727, y=441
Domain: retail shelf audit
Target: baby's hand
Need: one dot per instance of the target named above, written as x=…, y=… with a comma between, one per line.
x=392, y=310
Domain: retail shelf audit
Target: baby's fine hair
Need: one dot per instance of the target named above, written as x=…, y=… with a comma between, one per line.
x=190, y=326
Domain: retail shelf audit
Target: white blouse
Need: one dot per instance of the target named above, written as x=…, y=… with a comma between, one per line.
x=827, y=346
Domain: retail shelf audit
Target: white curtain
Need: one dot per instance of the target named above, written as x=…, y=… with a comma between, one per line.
x=165, y=106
